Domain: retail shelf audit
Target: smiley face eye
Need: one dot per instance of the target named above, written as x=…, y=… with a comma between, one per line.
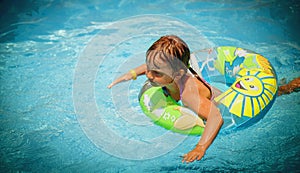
x=249, y=79
x=252, y=87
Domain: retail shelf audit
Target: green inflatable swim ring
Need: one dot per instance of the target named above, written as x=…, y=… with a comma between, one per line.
x=167, y=113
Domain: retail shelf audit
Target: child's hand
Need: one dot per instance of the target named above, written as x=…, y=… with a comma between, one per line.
x=197, y=153
x=125, y=77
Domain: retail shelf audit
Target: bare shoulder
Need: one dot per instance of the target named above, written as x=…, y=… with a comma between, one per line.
x=194, y=91
x=197, y=87
x=194, y=98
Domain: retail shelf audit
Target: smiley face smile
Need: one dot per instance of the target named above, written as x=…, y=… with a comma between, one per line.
x=240, y=85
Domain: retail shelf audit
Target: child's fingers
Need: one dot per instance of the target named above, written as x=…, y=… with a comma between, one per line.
x=110, y=85
x=120, y=79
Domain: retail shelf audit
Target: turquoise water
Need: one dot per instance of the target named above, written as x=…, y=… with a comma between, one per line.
x=57, y=57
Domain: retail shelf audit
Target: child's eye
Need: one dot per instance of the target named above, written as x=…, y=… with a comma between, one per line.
x=157, y=74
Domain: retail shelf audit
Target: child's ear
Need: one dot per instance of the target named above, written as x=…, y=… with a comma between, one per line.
x=179, y=73
x=182, y=72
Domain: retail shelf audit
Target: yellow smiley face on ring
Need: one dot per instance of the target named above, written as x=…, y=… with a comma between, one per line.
x=248, y=85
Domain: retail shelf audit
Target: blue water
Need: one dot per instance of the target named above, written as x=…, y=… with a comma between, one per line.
x=57, y=57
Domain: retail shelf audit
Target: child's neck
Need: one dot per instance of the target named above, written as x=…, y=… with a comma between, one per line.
x=174, y=88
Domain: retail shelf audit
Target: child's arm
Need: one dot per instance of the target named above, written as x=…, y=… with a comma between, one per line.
x=207, y=110
x=131, y=74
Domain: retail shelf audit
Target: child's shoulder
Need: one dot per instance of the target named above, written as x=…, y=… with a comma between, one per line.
x=197, y=85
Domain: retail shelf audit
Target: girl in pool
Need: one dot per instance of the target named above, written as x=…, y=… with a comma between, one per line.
x=167, y=65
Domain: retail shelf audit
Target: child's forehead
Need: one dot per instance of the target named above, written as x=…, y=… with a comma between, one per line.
x=155, y=60
x=161, y=59
x=157, y=63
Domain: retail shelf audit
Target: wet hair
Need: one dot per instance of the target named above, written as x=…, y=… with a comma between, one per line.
x=169, y=49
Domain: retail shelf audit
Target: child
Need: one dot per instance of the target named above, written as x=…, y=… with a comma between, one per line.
x=167, y=65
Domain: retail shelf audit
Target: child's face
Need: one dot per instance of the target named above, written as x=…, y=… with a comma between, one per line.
x=161, y=68
x=159, y=72
x=159, y=78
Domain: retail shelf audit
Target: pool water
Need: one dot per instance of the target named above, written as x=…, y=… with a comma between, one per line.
x=57, y=57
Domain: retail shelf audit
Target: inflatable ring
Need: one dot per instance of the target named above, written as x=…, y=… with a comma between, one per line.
x=248, y=82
